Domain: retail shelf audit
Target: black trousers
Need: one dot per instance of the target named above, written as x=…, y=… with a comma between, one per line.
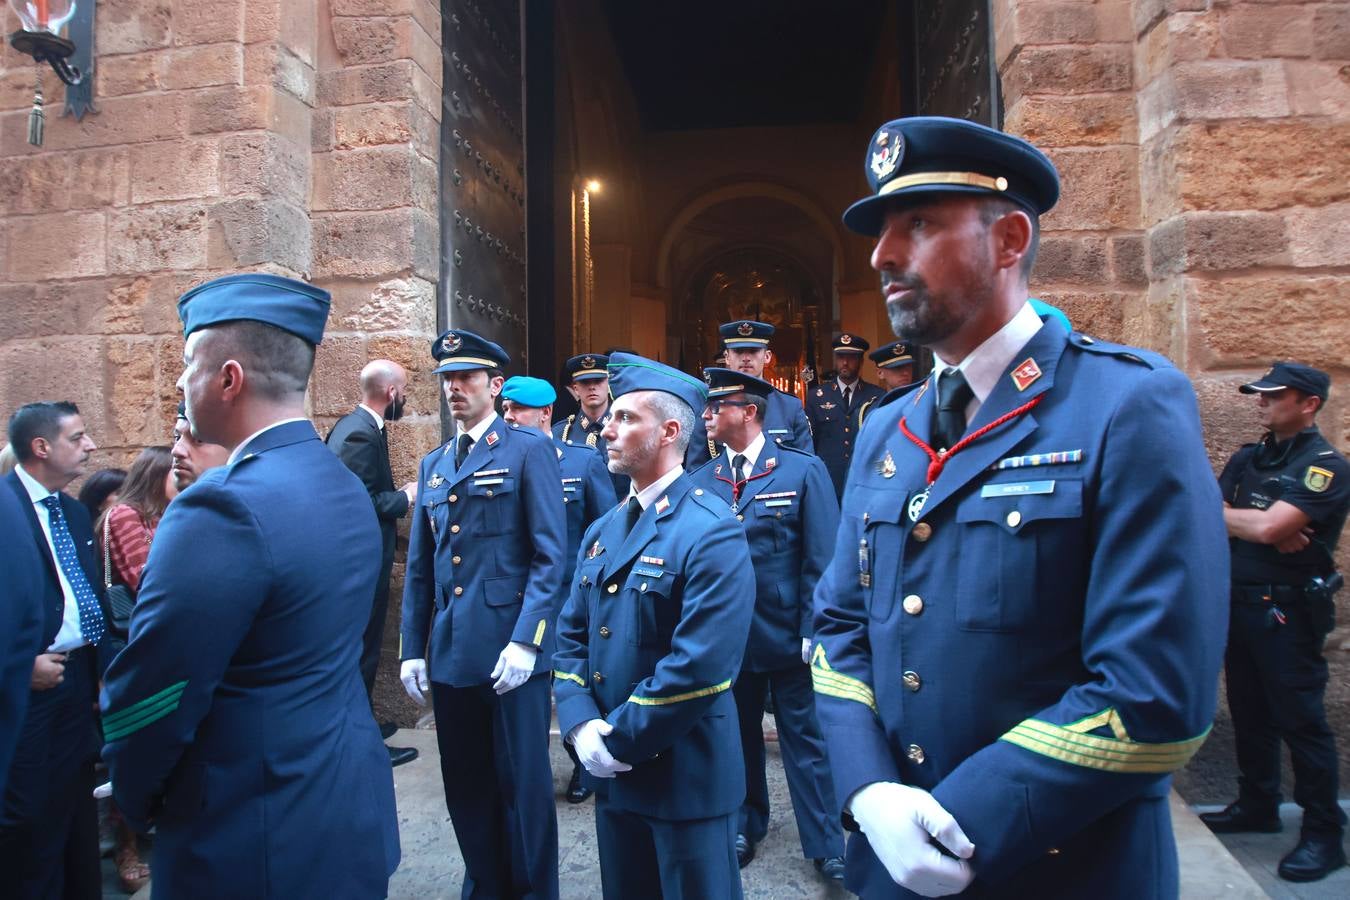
x=49, y=820
x=1276, y=677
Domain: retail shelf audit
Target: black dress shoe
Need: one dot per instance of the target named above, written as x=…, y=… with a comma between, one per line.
x=1235, y=818
x=400, y=755
x=1315, y=857
x=576, y=791
x=832, y=868
x=745, y=850
x=387, y=730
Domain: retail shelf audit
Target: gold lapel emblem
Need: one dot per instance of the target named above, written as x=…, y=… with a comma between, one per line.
x=888, y=465
x=1317, y=479
x=1025, y=374
x=435, y=481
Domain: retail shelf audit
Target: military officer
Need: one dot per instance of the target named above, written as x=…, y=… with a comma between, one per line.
x=895, y=368
x=745, y=347
x=832, y=407
x=785, y=501
x=1285, y=503
x=235, y=718
x=649, y=642
x=589, y=385
x=484, y=572
x=588, y=494
x=1019, y=632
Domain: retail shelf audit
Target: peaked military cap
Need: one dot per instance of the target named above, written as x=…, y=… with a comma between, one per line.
x=725, y=382
x=523, y=390
x=463, y=351
x=888, y=356
x=745, y=334
x=1291, y=375
x=926, y=155
x=845, y=342
x=629, y=372
x=587, y=367
x=293, y=306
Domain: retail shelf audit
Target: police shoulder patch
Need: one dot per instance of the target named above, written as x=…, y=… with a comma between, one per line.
x=1317, y=479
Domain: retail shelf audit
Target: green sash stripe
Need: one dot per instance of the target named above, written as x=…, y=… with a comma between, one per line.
x=111, y=719
x=146, y=716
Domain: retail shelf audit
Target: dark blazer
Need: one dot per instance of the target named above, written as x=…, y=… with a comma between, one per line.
x=21, y=619
x=236, y=718
x=834, y=427
x=785, y=424
x=1036, y=640
x=362, y=448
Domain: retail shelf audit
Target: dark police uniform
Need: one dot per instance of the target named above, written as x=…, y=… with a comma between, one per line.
x=485, y=566
x=1033, y=636
x=887, y=356
x=650, y=640
x=790, y=514
x=1276, y=673
x=235, y=718
x=577, y=429
x=785, y=421
x=833, y=420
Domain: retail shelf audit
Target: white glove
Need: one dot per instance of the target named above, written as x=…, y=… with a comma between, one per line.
x=103, y=790
x=898, y=821
x=514, y=666
x=806, y=651
x=589, y=740
x=413, y=674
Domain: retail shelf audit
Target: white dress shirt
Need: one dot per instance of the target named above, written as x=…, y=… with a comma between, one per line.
x=751, y=454
x=986, y=363
x=69, y=636
x=652, y=492
x=379, y=419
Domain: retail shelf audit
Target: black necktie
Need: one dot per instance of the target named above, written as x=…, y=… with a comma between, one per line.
x=848, y=399
x=738, y=469
x=632, y=514
x=462, y=452
x=953, y=396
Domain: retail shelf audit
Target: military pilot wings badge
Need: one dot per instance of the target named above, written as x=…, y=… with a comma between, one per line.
x=887, y=153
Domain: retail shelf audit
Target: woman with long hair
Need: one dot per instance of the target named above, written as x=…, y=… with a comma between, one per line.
x=125, y=533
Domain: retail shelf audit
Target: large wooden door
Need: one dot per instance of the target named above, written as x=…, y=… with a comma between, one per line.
x=948, y=46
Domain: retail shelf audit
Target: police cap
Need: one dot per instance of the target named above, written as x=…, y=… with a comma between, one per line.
x=888, y=356
x=1291, y=375
x=745, y=334
x=293, y=306
x=586, y=367
x=725, y=382
x=457, y=350
x=845, y=342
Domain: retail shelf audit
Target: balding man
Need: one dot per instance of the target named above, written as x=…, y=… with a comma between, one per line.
x=361, y=441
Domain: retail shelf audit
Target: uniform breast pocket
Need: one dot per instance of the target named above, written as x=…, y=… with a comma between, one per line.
x=493, y=508
x=508, y=590
x=776, y=516
x=657, y=612
x=1018, y=541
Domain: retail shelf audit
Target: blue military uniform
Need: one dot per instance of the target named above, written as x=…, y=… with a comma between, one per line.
x=1032, y=631
x=577, y=429
x=650, y=640
x=485, y=566
x=895, y=355
x=235, y=718
x=588, y=494
x=785, y=421
x=833, y=418
x=788, y=509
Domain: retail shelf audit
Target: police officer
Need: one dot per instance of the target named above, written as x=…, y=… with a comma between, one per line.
x=587, y=495
x=784, y=498
x=832, y=407
x=589, y=385
x=895, y=368
x=745, y=348
x=1285, y=502
x=649, y=642
x=235, y=718
x=485, y=567
x=1019, y=633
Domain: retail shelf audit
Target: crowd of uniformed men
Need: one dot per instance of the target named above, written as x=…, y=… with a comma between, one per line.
x=990, y=605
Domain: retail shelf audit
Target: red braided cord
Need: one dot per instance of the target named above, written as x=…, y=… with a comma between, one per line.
x=938, y=460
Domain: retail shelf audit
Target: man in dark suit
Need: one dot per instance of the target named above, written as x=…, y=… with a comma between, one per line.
x=20, y=624
x=235, y=719
x=831, y=407
x=48, y=833
x=480, y=604
x=361, y=441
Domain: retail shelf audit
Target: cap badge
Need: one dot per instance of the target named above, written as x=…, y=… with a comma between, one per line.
x=1025, y=374
x=886, y=156
x=707, y=377
x=451, y=343
x=898, y=350
x=745, y=329
x=588, y=362
x=888, y=465
x=845, y=338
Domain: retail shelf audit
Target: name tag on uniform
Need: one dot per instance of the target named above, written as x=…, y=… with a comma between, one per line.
x=1017, y=489
x=569, y=488
x=648, y=571
x=778, y=431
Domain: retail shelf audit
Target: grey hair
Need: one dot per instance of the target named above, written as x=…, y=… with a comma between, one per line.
x=668, y=406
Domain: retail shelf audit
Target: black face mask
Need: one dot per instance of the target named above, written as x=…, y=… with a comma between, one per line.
x=394, y=411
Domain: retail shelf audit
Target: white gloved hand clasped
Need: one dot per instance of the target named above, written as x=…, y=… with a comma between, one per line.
x=413, y=674
x=898, y=821
x=589, y=740
x=514, y=666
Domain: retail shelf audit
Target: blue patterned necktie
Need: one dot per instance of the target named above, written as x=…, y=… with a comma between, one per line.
x=91, y=616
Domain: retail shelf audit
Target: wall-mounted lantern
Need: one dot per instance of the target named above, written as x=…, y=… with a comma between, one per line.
x=40, y=37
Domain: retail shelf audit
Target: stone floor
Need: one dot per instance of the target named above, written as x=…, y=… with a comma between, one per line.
x=1260, y=854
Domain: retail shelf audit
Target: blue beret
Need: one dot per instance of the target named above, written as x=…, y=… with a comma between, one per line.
x=1048, y=312
x=629, y=372
x=888, y=356
x=745, y=334
x=926, y=155
x=725, y=382
x=526, y=391
x=284, y=303
x=845, y=342
x=587, y=367
x=463, y=351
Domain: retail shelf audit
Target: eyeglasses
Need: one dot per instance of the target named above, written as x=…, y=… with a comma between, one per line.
x=715, y=406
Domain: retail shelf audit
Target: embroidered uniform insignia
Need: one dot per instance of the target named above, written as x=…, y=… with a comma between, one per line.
x=435, y=480
x=887, y=465
x=1317, y=479
x=1025, y=374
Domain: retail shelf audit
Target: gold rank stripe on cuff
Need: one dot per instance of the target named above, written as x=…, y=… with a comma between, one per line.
x=568, y=676
x=825, y=680
x=680, y=698
x=1107, y=754
x=133, y=718
x=539, y=632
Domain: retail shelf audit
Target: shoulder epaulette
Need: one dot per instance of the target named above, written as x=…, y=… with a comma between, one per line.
x=896, y=393
x=1135, y=355
x=709, y=501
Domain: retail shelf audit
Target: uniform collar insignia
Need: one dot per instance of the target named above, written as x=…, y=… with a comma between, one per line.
x=770, y=463
x=888, y=465
x=435, y=480
x=491, y=438
x=595, y=550
x=1025, y=374
x=662, y=505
